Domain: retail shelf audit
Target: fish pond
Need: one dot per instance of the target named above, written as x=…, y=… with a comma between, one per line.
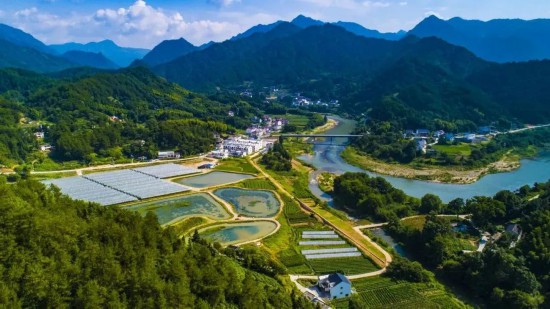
x=235, y=233
x=251, y=203
x=212, y=179
x=176, y=208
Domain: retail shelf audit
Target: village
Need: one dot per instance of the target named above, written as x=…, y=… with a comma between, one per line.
x=425, y=138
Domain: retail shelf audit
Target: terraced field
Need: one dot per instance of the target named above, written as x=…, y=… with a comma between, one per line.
x=346, y=265
x=382, y=292
x=257, y=184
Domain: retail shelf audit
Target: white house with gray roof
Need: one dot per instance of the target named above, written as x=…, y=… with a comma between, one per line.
x=336, y=285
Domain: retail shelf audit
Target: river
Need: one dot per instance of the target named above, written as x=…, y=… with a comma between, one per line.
x=326, y=158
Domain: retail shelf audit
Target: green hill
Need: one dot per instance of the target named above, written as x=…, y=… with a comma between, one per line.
x=57, y=253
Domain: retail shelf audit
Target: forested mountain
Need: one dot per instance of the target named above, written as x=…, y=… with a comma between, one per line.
x=21, y=57
x=428, y=78
x=286, y=54
x=122, y=56
x=112, y=114
x=94, y=60
x=499, y=40
x=167, y=51
x=21, y=38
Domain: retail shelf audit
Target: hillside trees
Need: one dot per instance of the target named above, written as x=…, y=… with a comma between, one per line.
x=57, y=252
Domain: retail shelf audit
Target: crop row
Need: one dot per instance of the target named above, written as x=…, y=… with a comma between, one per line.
x=349, y=266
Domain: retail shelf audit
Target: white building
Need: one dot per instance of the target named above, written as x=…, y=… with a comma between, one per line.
x=220, y=154
x=336, y=285
x=168, y=155
x=242, y=147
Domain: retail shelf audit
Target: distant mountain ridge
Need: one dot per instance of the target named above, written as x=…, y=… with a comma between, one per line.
x=94, y=60
x=305, y=22
x=499, y=40
x=167, y=51
x=121, y=56
x=20, y=38
x=28, y=58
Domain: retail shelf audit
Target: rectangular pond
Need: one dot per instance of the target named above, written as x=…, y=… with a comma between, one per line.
x=212, y=179
x=177, y=208
x=236, y=233
x=251, y=203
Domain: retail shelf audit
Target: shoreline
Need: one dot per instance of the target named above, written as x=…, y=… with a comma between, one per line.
x=507, y=163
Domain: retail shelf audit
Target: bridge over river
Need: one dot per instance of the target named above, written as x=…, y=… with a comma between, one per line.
x=328, y=138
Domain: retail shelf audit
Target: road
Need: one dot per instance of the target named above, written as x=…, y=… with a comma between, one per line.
x=376, y=225
x=79, y=171
x=294, y=278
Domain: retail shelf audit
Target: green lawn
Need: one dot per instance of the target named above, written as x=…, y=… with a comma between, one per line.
x=257, y=184
x=236, y=165
x=382, y=292
x=416, y=223
x=300, y=121
x=462, y=149
x=186, y=225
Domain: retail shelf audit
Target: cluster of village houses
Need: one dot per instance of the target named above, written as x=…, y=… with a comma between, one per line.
x=302, y=101
x=422, y=137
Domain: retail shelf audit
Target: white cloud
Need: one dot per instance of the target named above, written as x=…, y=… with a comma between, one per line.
x=342, y=4
x=140, y=25
x=403, y=3
x=434, y=13
x=376, y=4
x=224, y=3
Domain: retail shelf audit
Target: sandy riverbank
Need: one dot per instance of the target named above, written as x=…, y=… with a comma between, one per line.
x=435, y=174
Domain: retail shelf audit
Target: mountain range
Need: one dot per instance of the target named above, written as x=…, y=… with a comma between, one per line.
x=423, y=69
x=121, y=56
x=499, y=40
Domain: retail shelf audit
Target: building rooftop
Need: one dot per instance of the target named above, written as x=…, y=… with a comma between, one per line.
x=333, y=279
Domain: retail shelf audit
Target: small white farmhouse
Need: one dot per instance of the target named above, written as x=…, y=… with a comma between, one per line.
x=336, y=284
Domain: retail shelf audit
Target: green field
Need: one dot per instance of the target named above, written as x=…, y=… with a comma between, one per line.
x=186, y=225
x=300, y=121
x=257, y=184
x=294, y=212
x=236, y=165
x=382, y=292
x=461, y=149
x=348, y=265
x=416, y=223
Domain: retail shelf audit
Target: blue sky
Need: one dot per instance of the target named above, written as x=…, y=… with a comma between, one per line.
x=145, y=23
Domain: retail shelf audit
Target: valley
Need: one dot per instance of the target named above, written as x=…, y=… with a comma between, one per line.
x=152, y=160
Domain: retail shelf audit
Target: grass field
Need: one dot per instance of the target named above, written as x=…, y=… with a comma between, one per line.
x=300, y=121
x=461, y=149
x=236, y=165
x=184, y=226
x=416, y=223
x=382, y=292
x=295, y=181
x=257, y=184
x=348, y=265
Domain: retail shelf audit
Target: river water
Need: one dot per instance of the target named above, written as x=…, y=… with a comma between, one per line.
x=327, y=158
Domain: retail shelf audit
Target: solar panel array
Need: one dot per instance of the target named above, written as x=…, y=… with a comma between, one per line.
x=166, y=170
x=320, y=236
x=80, y=188
x=335, y=250
x=136, y=184
x=332, y=255
x=322, y=243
